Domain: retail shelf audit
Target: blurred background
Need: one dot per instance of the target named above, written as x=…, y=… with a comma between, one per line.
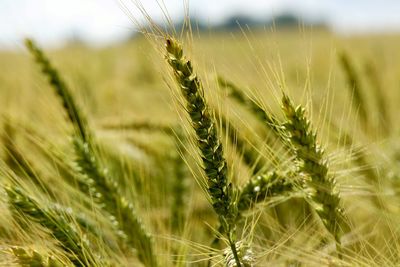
x=100, y=22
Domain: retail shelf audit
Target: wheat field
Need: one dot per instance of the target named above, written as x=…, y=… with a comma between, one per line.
x=260, y=147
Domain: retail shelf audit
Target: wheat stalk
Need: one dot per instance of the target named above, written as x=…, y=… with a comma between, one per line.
x=245, y=254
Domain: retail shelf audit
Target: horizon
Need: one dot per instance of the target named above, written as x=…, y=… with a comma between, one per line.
x=100, y=22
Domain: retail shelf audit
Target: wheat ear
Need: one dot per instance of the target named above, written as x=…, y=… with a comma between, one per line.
x=32, y=258
x=356, y=89
x=258, y=188
x=311, y=162
x=60, y=88
x=100, y=185
x=71, y=241
x=122, y=214
x=214, y=164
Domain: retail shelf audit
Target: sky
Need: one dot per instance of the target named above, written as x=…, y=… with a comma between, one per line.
x=104, y=21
